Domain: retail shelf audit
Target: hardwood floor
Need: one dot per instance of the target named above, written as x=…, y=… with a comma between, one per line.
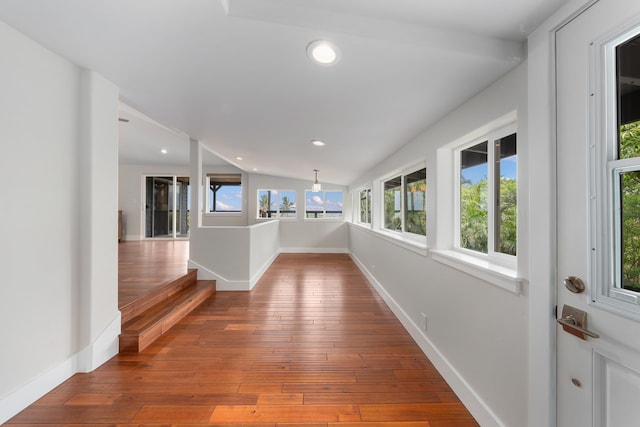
x=146, y=264
x=312, y=345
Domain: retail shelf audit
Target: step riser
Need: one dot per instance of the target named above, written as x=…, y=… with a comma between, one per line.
x=140, y=332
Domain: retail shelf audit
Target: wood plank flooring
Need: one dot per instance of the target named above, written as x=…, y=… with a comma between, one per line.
x=147, y=264
x=312, y=345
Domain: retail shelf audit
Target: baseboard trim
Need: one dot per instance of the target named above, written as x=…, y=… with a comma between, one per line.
x=474, y=403
x=222, y=283
x=15, y=402
x=256, y=277
x=314, y=250
x=102, y=349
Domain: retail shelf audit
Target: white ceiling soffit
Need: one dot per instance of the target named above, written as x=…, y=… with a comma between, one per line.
x=141, y=138
x=322, y=16
x=142, y=141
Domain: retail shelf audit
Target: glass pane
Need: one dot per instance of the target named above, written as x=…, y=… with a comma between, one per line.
x=226, y=198
x=183, y=198
x=506, y=217
x=314, y=204
x=628, y=79
x=474, y=170
x=267, y=203
x=159, y=196
x=630, y=229
x=392, y=204
x=365, y=206
x=287, y=204
x=415, y=220
x=333, y=204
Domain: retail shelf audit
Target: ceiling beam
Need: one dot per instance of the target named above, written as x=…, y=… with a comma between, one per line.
x=292, y=13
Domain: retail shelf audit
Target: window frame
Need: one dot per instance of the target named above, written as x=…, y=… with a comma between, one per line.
x=277, y=212
x=209, y=200
x=492, y=256
x=324, y=204
x=402, y=174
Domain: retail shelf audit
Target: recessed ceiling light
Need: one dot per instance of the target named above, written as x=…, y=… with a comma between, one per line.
x=322, y=52
x=318, y=143
x=255, y=169
x=238, y=158
x=163, y=151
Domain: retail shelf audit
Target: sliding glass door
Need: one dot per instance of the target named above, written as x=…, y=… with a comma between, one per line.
x=167, y=206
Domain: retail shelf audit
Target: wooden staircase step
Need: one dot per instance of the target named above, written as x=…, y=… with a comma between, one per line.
x=158, y=295
x=143, y=329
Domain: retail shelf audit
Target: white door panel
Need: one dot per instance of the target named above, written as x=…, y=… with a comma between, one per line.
x=598, y=380
x=617, y=392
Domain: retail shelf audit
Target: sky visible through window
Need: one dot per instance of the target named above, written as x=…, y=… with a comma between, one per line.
x=229, y=198
x=316, y=203
x=475, y=174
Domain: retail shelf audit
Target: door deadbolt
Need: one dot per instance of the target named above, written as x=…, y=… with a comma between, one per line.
x=574, y=284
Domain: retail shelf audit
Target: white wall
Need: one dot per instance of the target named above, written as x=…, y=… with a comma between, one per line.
x=477, y=333
x=302, y=235
x=131, y=194
x=234, y=256
x=236, y=250
x=39, y=109
x=99, y=314
x=46, y=278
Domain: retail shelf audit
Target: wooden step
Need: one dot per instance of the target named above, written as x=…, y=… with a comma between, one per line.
x=159, y=294
x=143, y=329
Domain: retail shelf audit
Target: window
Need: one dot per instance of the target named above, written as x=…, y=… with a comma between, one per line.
x=405, y=203
x=618, y=266
x=323, y=204
x=365, y=206
x=488, y=194
x=276, y=204
x=224, y=192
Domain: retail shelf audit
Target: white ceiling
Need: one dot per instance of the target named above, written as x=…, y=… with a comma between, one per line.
x=234, y=73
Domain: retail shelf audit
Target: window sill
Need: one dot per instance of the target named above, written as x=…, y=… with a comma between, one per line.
x=502, y=277
x=277, y=219
x=395, y=238
x=212, y=214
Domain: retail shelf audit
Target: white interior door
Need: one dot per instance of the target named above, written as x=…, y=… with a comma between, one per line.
x=598, y=77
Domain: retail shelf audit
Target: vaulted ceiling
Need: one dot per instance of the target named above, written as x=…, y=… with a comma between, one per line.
x=234, y=74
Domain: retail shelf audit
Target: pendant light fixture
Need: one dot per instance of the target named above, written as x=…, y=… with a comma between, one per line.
x=316, y=185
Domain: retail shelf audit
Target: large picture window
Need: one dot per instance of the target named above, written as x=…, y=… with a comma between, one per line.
x=224, y=192
x=405, y=202
x=323, y=204
x=276, y=204
x=488, y=194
